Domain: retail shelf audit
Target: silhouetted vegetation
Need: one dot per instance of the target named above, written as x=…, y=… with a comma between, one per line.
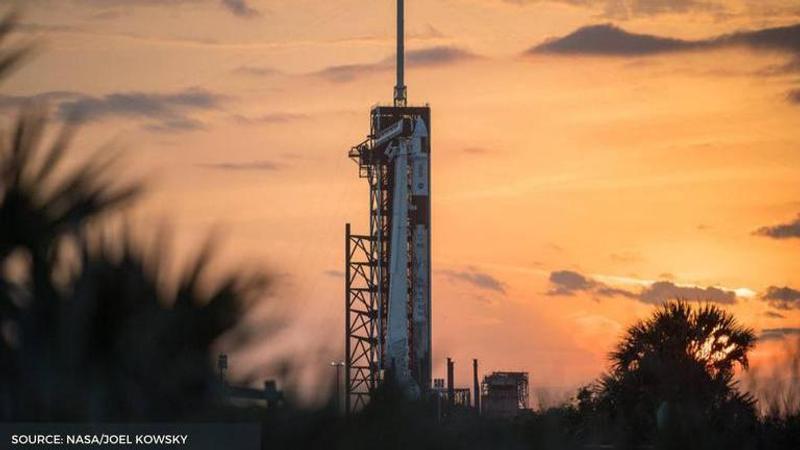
x=91, y=330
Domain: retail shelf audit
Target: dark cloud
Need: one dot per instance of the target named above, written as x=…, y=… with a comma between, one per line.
x=623, y=9
x=607, y=291
x=428, y=57
x=785, y=230
x=476, y=278
x=609, y=40
x=774, y=334
x=334, y=273
x=567, y=283
x=782, y=297
x=243, y=166
x=662, y=291
x=271, y=118
x=774, y=315
x=240, y=8
x=163, y=112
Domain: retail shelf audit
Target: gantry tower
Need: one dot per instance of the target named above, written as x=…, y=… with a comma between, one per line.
x=388, y=271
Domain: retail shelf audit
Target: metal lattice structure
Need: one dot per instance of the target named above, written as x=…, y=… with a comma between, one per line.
x=361, y=322
x=388, y=289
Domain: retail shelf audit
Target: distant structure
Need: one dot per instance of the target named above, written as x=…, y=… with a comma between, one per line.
x=504, y=394
x=270, y=395
x=388, y=271
x=449, y=398
x=476, y=387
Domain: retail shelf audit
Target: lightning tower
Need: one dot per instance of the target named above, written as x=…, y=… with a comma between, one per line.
x=388, y=271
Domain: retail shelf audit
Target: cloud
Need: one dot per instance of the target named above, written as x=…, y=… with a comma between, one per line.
x=240, y=8
x=162, y=111
x=350, y=72
x=774, y=334
x=9, y=102
x=436, y=56
x=782, y=297
x=787, y=68
x=334, y=273
x=475, y=278
x=774, y=315
x=782, y=231
x=793, y=96
x=427, y=57
x=270, y=118
x=243, y=166
x=628, y=8
x=662, y=291
x=568, y=283
x=256, y=71
x=609, y=40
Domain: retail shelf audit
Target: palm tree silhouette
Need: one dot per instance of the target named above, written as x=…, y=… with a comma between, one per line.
x=673, y=375
x=89, y=327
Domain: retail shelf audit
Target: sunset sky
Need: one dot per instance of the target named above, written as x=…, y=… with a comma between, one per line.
x=579, y=176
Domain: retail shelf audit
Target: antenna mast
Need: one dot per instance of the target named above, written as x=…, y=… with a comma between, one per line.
x=400, y=93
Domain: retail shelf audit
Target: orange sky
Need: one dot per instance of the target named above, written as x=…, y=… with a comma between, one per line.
x=618, y=168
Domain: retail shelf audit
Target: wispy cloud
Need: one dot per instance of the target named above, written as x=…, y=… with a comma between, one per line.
x=781, y=231
x=427, y=57
x=159, y=111
x=267, y=166
x=256, y=71
x=269, y=118
x=239, y=8
x=476, y=278
x=774, y=334
x=15, y=101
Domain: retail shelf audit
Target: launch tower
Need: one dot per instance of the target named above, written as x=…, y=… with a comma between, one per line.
x=388, y=271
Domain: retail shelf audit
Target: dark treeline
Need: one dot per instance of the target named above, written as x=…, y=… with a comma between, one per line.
x=91, y=331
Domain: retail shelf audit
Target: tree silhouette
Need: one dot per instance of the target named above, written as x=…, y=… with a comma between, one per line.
x=90, y=329
x=672, y=376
